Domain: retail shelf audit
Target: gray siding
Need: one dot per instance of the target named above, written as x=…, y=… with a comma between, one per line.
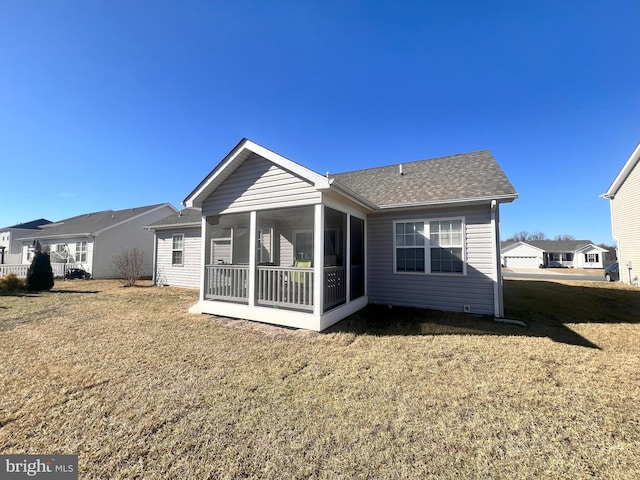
x=625, y=213
x=259, y=184
x=127, y=236
x=187, y=274
x=442, y=292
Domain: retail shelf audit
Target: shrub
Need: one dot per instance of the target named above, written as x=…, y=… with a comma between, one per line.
x=11, y=283
x=128, y=265
x=40, y=274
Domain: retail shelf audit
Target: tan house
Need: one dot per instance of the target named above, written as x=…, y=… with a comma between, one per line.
x=624, y=196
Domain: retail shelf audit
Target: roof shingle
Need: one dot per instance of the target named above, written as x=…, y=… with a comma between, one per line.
x=455, y=178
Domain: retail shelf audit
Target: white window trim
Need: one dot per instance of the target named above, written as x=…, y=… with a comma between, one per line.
x=427, y=247
x=177, y=249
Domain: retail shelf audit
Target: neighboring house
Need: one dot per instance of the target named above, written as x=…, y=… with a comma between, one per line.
x=285, y=245
x=177, y=248
x=10, y=245
x=624, y=196
x=552, y=253
x=90, y=240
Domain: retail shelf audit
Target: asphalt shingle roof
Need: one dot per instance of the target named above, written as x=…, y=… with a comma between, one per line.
x=553, y=245
x=90, y=223
x=187, y=216
x=469, y=176
x=33, y=224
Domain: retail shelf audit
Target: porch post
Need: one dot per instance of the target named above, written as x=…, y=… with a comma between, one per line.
x=253, y=245
x=206, y=231
x=347, y=261
x=318, y=256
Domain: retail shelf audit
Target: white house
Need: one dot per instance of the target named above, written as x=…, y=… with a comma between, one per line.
x=283, y=244
x=552, y=253
x=90, y=240
x=10, y=245
x=624, y=196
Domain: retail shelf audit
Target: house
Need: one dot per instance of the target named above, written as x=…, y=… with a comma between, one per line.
x=90, y=240
x=624, y=196
x=177, y=248
x=10, y=245
x=552, y=253
x=283, y=244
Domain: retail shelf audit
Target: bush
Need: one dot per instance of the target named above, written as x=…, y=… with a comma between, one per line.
x=128, y=265
x=11, y=283
x=40, y=274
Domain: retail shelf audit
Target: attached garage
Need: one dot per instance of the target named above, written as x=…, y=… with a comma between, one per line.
x=520, y=262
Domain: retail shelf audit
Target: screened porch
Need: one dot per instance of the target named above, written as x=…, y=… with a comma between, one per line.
x=306, y=259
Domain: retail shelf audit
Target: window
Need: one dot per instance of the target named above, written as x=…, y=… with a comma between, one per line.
x=410, y=244
x=177, y=249
x=81, y=252
x=591, y=257
x=430, y=246
x=446, y=246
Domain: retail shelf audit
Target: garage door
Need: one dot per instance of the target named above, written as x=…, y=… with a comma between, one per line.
x=521, y=262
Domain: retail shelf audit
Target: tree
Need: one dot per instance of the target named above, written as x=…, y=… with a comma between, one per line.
x=525, y=236
x=128, y=265
x=40, y=273
x=564, y=237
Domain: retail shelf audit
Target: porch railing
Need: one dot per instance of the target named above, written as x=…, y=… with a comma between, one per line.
x=290, y=287
x=286, y=287
x=227, y=282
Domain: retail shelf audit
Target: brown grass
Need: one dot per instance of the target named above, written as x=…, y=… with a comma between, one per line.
x=140, y=389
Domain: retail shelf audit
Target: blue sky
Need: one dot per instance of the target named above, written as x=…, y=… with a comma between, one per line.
x=115, y=104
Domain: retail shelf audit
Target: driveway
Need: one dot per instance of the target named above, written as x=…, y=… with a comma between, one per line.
x=554, y=274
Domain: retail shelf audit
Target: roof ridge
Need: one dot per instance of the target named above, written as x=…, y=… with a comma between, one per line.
x=394, y=165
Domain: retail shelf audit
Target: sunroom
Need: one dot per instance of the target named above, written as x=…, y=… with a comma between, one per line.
x=278, y=246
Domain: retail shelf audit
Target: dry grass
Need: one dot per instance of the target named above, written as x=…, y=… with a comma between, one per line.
x=140, y=389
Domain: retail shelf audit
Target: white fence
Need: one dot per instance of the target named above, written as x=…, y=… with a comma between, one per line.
x=20, y=270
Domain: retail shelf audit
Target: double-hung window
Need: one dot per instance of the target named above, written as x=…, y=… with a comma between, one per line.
x=81, y=252
x=177, y=249
x=410, y=247
x=430, y=246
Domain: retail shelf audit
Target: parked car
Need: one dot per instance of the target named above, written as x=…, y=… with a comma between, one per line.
x=612, y=272
x=75, y=273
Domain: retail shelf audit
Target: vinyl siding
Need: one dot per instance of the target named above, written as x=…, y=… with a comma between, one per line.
x=443, y=292
x=625, y=213
x=127, y=236
x=187, y=274
x=259, y=184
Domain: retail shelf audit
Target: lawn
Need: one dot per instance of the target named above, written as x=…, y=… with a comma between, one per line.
x=141, y=389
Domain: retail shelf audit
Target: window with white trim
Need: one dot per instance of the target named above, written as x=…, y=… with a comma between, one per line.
x=591, y=257
x=429, y=246
x=81, y=252
x=177, y=249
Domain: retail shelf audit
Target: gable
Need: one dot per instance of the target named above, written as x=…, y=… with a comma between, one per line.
x=259, y=184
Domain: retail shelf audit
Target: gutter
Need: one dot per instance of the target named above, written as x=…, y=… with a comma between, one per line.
x=460, y=201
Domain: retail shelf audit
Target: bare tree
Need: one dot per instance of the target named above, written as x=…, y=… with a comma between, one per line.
x=522, y=236
x=128, y=264
x=564, y=237
x=537, y=236
x=525, y=236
